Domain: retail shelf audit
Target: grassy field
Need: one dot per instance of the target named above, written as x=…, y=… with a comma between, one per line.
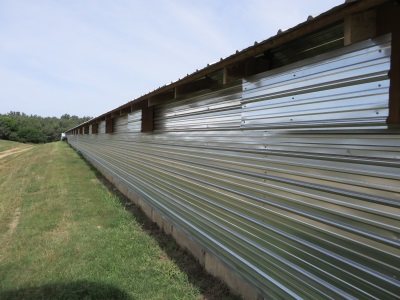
x=6, y=145
x=65, y=234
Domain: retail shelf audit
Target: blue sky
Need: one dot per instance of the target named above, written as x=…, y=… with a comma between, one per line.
x=87, y=57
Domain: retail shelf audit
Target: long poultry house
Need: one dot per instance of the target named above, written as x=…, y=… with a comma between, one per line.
x=278, y=166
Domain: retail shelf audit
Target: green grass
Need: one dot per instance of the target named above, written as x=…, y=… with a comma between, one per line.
x=64, y=234
x=5, y=145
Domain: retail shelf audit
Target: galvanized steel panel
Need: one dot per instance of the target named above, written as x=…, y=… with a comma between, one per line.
x=102, y=127
x=120, y=124
x=134, y=121
x=300, y=212
x=218, y=110
x=345, y=89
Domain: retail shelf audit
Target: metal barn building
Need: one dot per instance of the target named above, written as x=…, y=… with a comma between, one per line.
x=278, y=166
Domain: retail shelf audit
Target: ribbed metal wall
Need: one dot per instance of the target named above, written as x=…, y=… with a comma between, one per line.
x=292, y=183
x=121, y=124
x=221, y=110
x=350, y=87
x=134, y=121
x=102, y=127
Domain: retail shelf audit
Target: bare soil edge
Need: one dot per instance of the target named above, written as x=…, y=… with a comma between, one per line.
x=14, y=151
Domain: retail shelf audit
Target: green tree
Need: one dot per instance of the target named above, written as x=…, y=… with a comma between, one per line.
x=7, y=126
x=30, y=135
x=20, y=127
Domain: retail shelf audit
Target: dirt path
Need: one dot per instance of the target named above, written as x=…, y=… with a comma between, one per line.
x=16, y=215
x=14, y=150
x=12, y=211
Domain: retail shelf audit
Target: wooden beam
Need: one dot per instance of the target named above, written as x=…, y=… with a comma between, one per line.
x=388, y=21
x=225, y=75
x=394, y=75
x=147, y=119
x=359, y=27
x=95, y=128
x=109, y=125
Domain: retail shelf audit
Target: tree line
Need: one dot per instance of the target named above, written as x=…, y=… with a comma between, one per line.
x=23, y=128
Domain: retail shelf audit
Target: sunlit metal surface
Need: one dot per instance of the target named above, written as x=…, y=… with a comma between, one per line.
x=134, y=121
x=347, y=89
x=121, y=124
x=302, y=208
x=219, y=110
x=102, y=127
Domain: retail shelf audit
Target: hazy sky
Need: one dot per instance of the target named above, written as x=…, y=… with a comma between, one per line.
x=86, y=57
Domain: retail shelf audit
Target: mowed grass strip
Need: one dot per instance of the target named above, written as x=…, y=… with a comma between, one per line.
x=5, y=145
x=64, y=235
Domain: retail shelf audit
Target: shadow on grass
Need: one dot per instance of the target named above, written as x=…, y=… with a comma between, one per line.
x=73, y=290
x=211, y=288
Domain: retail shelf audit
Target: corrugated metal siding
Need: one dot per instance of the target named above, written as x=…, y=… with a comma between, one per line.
x=134, y=121
x=102, y=127
x=219, y=110
x=350, y=88
x=129, y=123
x=300, y=212
x=121, y=124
